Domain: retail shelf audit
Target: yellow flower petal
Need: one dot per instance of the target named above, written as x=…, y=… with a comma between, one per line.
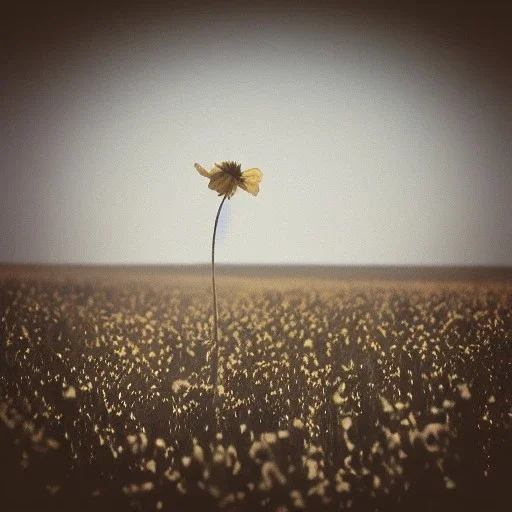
x=223, y=184
x=202, y=171
x=216, y=181
x=251, y=179
x=252, y=188
x=215, y=169
x=253, y=174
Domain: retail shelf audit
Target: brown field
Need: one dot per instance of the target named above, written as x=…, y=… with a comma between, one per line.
x=358, y=389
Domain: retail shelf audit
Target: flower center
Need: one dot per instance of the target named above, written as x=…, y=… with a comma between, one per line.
x=232, y=168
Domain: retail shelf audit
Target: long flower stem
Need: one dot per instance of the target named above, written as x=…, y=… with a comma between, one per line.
x=215, y=348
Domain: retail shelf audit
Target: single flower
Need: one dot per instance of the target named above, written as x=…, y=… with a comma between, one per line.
x=224, y=179
x=227, y=176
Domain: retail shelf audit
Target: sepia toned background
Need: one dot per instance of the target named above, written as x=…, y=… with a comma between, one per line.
x=383, y=132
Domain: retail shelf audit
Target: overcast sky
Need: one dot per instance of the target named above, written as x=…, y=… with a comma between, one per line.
x=383, y=138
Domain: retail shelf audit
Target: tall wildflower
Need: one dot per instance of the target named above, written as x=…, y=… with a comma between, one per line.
x=225, y=178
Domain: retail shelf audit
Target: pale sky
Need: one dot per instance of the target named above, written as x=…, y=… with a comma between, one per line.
x=378, y=145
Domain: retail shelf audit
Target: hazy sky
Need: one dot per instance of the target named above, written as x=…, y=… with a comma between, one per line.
x=384, y=138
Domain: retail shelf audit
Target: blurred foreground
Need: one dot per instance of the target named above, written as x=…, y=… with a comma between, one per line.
x=337, y=391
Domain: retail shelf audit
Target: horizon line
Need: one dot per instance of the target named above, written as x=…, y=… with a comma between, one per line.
x=296, y=265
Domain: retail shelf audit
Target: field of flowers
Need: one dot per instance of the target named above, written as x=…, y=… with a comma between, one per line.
x=333, y=394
